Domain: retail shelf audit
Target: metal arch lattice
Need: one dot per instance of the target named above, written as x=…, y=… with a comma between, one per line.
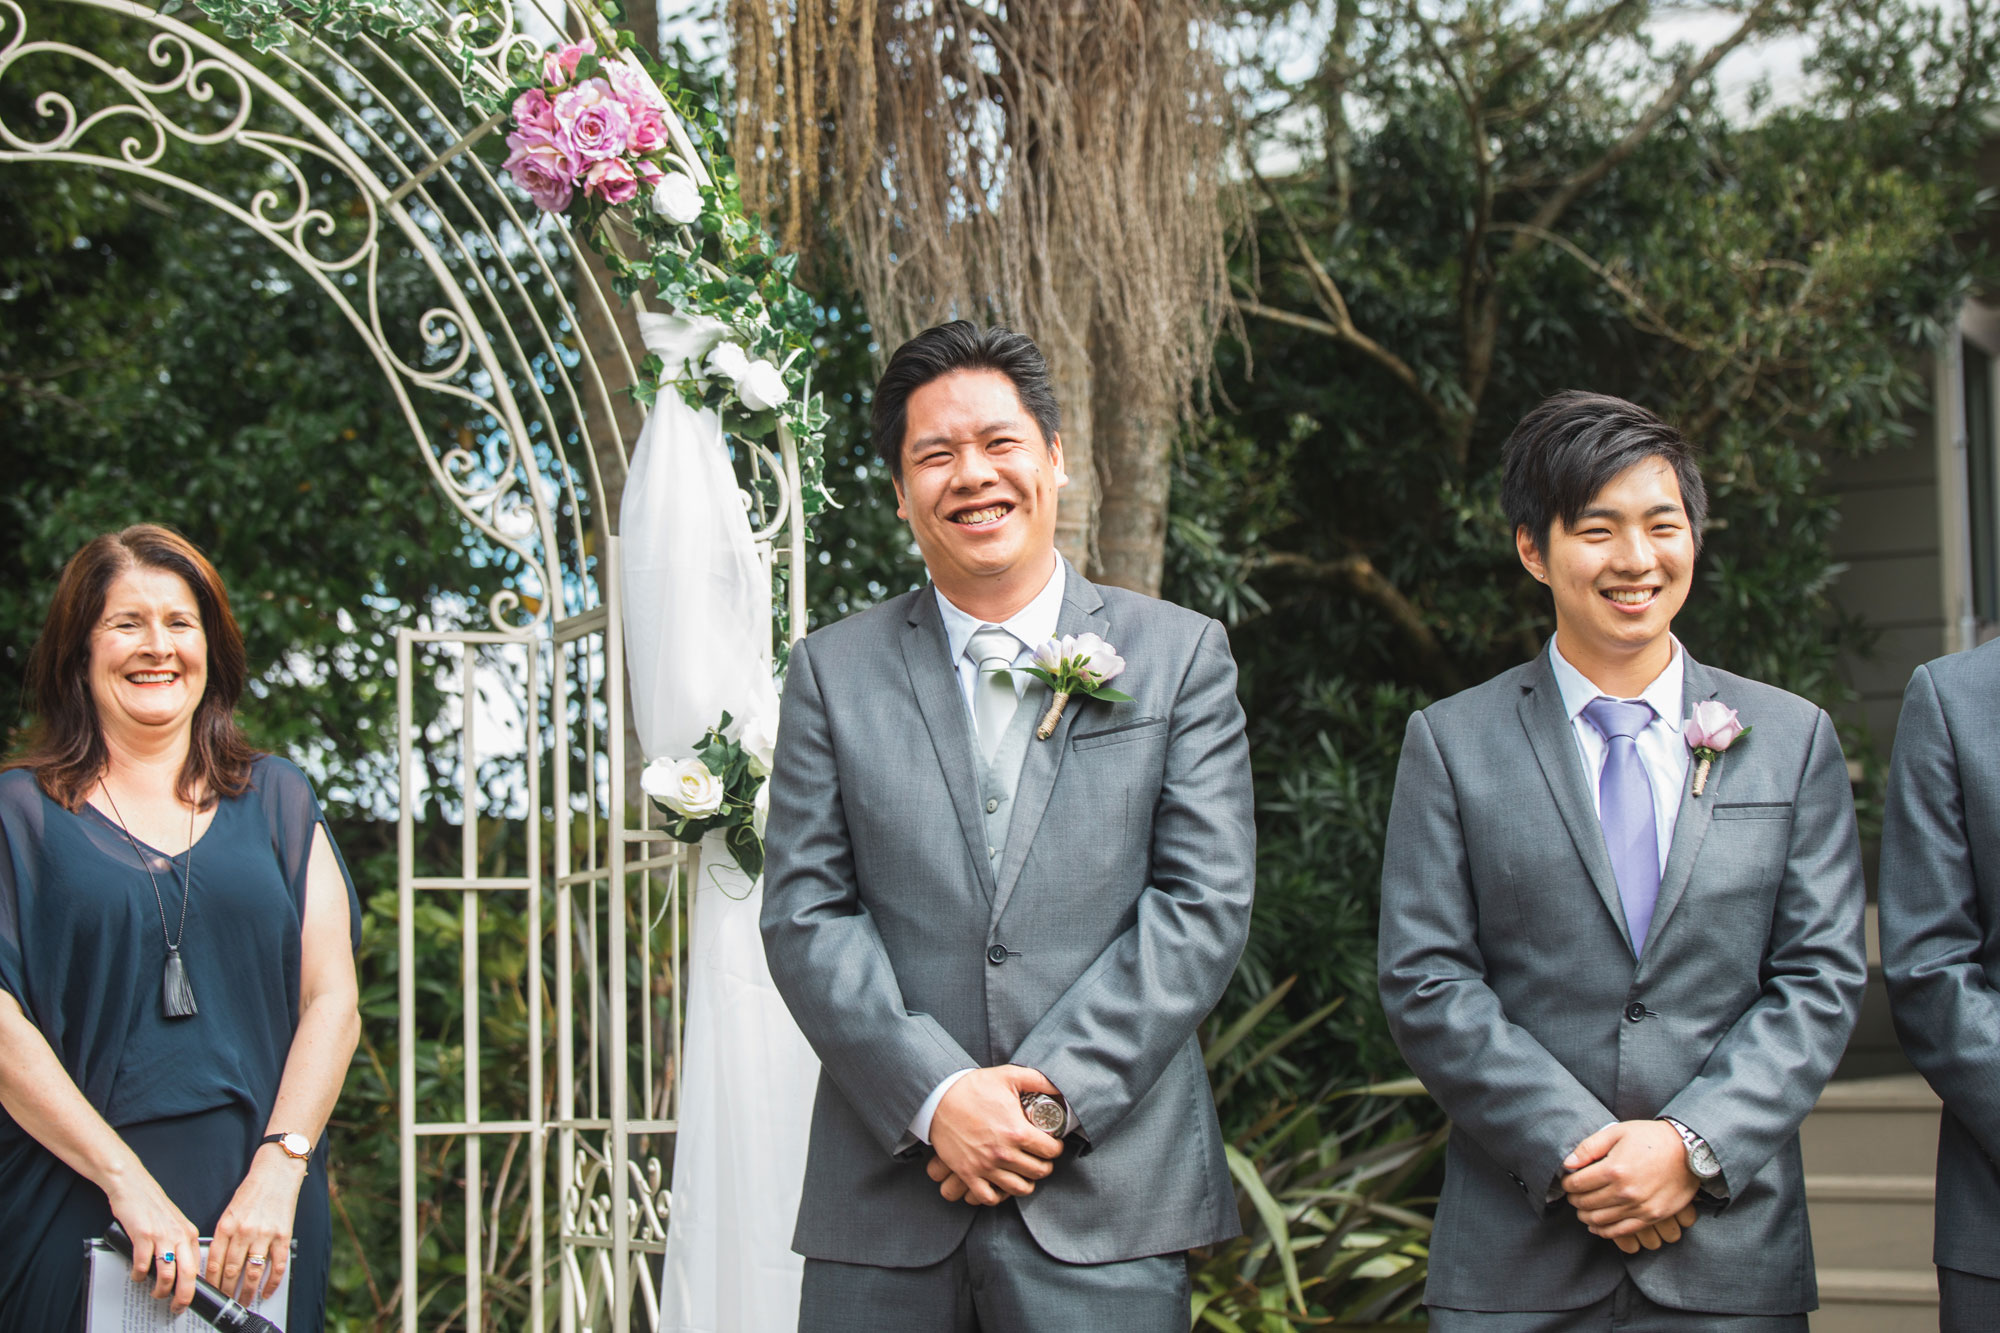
x=371, y=167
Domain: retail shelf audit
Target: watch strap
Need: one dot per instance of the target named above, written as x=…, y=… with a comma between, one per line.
x=1701, y=1158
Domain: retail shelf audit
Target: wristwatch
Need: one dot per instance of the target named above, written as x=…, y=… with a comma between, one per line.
x=1701, y=1157
x=1044, y=1112
x=296, y=1146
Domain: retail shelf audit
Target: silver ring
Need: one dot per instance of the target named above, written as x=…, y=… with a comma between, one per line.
x=167, y=1258
x=256, y=1261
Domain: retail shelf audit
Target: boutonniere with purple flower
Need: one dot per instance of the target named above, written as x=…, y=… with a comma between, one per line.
x=1075, y=664
x=1711, y=729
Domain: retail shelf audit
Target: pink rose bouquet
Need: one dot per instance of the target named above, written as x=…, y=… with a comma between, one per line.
x=593, y=129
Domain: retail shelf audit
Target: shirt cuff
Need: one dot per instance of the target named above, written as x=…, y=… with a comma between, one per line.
x=920, y=1123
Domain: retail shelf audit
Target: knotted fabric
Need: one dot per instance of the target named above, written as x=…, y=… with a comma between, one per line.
x=992, y=650
x=1625, y=809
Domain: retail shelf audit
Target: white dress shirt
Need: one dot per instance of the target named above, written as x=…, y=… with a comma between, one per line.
x=1662, y=752
x=1032, y=626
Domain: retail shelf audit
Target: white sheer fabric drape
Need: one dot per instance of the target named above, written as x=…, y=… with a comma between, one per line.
x=697, y=629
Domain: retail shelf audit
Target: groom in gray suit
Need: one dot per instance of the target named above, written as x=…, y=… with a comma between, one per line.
x=1000, y=937
x=1624, y=972
x=1940, y=903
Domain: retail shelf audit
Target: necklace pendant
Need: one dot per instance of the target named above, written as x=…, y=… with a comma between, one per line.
x=176, y=996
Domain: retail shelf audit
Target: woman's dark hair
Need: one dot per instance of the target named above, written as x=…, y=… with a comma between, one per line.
x=959, y=345
x=66, y=750
x=1571, y=446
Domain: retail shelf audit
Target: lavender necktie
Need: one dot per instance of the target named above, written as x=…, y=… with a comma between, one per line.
x=1625, y=808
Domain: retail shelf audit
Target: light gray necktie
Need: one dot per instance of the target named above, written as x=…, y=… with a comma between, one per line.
x=992, y=649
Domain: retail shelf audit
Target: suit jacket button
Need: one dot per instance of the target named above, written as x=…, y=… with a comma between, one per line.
x=992, y=804
x=996, y=955
x=1635, y=1012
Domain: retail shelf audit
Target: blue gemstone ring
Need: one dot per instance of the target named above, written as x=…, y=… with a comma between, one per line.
x=167, y=1258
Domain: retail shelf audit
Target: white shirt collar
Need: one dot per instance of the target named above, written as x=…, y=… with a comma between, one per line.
x=1664, y=694
x=1034, y=624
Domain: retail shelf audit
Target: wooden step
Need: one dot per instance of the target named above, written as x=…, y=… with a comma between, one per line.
x=1873, y=1125
x=1871, y=1222
x=1876, y=1300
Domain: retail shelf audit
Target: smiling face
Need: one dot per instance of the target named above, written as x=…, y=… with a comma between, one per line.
x=148, y=654
x=978, y=489
x=1620, y=574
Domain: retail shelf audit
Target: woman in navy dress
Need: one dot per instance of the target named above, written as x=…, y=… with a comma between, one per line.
x=177, y=933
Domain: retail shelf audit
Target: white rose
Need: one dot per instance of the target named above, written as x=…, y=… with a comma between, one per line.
x=677, y=199
x=760, y=809
x=762, y=387
x=684, y=786
x=759, y=738
x=728, y=361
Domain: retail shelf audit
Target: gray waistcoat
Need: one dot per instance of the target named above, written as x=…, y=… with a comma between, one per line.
x=998, y=779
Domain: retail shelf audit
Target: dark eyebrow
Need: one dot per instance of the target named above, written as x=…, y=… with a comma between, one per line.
x=1004, y=426
x=1654, y=512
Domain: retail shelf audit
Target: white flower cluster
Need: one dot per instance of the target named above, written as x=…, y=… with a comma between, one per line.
x=759, y=384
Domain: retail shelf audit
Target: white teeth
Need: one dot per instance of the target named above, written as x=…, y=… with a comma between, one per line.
x=979, y=516
x=151, y=677
x=1639, y=598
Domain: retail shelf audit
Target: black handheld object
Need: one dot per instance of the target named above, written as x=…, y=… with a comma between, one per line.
x=210, y=1305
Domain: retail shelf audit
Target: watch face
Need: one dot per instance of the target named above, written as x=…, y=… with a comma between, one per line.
x=1044, y=1113
x=297, y=1145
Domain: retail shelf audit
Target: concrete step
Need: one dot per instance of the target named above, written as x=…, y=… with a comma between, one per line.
x=1871, y=1159
x=1873, y=1125
x=1873, y=1222
x=1876, y=1300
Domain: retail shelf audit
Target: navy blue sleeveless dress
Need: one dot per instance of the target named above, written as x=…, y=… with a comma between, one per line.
x=81, y=950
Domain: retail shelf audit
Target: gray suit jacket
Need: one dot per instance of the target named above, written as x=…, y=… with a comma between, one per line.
x=1510, y=985
x=1108, y=932
x=1940, y=906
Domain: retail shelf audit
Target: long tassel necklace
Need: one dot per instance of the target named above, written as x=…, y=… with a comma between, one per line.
x=176, y=995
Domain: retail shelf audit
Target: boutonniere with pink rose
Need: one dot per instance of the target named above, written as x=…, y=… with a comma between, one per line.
x=1711, y=729
x=1075, y=664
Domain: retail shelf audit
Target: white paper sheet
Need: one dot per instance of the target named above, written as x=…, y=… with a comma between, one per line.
x=117, y=1304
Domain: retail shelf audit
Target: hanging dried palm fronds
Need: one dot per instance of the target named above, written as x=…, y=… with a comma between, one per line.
x=1054, y=164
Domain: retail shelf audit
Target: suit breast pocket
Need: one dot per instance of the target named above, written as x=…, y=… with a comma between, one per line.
x=1124, y=733
x=1754, y=810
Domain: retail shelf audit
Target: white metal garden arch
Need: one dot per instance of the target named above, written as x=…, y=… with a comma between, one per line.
x=367, y=175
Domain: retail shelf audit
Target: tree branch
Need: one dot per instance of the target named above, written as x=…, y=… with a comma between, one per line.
x=1357, y=574
x=1647, y=319
x=1670, y=97
x=1339, y=324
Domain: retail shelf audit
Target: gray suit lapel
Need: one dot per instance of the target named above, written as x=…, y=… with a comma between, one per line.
x=926, y=654
x=1553, y=737
x=1081, y=605
x=1691, y=824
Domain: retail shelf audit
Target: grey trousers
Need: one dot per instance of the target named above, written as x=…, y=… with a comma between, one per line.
x=1967, y=1302
x=1625, y=1310
x=998, y=1281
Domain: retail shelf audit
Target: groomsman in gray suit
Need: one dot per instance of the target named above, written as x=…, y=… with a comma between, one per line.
x=1940, y=907
x=999, y=936
x=1623, y=966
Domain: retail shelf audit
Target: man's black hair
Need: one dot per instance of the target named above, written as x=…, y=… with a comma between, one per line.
x=1572, y=445
x=959, y=345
